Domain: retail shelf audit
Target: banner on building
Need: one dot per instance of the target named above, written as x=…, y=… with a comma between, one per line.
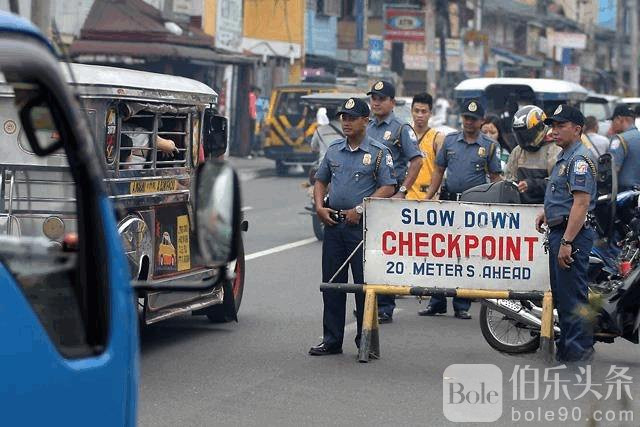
x=454, y=245
x=375, y=55
x=415, y=57
x=229, y=25
x=404, y=25
x=571, y=73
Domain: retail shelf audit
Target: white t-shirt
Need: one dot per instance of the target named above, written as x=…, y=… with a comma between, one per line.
x=599, y=141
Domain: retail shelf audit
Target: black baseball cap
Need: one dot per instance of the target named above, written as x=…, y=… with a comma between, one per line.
x=354, y=107
x=383, y=88
x=622, y=110
x=565, y=113
x=473, y=108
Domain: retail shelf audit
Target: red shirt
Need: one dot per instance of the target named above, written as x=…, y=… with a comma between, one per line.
x=252, y=106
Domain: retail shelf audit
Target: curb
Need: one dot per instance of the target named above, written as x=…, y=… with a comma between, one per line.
x=249, y=175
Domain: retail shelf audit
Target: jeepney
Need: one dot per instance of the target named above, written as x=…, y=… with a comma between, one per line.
x=503, y=96
x=70, y=351
x=600, y=106
x=289, y=125
x=133, y=116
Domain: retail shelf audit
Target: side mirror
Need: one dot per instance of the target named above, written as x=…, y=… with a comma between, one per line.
x=39, y=125
x=214, y=134
x=217, y=206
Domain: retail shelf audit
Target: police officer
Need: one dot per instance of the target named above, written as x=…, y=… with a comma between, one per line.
x=402, y=141
x=569, y=197
x=357, y=167
x=468, y=157
x=625, y=147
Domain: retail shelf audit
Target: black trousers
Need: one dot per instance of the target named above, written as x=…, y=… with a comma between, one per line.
x=338, y=243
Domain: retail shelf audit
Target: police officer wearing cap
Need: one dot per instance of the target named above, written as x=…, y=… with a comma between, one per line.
x=357, y=167
x=468, y=157
x=402, y=141
x=569, y=197
x=625, y=147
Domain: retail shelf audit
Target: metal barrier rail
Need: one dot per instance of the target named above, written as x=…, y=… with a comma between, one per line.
x=370, y=341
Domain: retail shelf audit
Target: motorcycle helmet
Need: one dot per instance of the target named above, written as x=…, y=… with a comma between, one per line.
x=528, y=127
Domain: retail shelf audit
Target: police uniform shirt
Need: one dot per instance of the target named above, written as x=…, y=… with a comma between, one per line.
x=351, y=173
x=574, y=171
x=627, y=157
x=467, y=164
x=387, y=132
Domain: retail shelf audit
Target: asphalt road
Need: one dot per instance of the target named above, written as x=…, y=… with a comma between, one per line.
x=257, y=371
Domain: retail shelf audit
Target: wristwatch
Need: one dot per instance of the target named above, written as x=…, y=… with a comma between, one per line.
x=359, y=209
x=402, y=189
x=565, y=242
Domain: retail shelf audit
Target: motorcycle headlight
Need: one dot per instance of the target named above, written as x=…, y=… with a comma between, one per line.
x=195, y=146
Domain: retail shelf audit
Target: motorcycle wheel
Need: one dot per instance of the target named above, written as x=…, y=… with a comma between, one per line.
x=216, y=313
x=505, y=335
x=318, y=227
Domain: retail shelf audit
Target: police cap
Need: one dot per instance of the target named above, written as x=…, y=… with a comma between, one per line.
x=473, y=108
x=383, y=88
x=622, y=110
x=354, y=107
x=565, y=113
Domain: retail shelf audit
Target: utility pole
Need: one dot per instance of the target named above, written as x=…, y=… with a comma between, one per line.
x=633, y=66
x=620, y=45
x=430, y=45
x=41, y=15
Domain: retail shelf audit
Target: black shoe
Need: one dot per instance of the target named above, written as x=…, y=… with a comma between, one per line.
x=323, y=350
x=385, y=318
x=431, y=311
x=463, y=314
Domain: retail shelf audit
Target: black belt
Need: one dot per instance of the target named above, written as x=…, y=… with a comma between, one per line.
x=562, y=221
x=446, y=195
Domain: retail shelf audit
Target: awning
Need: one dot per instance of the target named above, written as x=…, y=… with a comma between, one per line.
x=504, y=55
x=84, y=49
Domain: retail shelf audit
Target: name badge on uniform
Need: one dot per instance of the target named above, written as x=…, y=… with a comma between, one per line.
x=561, y=170
x=482, y=152
x=387, y=135
x=366, y=159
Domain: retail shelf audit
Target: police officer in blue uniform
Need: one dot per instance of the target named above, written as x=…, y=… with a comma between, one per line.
x=468, y=158
x=569, y=197
x=402, y=141
x=357, y=167
x=625, y=147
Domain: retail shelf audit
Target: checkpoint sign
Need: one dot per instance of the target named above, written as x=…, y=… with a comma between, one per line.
x=454, y=245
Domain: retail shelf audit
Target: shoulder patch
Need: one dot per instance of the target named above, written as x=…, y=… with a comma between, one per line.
x=412, y=135
x=580, y=167
x=389, y=160
x=615, y=143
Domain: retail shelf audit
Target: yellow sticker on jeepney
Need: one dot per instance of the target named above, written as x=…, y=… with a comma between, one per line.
x=153, y=186
x=184, y=252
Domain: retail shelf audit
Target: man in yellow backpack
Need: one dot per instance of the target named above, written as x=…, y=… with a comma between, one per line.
x=429, y=140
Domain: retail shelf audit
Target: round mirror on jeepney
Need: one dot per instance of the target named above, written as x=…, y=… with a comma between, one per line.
x=217, y=204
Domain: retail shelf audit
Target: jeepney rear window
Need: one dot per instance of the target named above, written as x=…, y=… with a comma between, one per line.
x=152, y=140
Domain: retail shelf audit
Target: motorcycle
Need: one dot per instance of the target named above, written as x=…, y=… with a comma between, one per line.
x=513, y=326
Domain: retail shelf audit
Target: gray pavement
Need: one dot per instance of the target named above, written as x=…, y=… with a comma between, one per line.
x=257, y=372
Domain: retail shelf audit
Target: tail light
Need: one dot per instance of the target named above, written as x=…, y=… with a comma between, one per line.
x=111, y=137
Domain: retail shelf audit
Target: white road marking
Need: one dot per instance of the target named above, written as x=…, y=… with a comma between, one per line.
x=280, y=248
x=246, y=208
